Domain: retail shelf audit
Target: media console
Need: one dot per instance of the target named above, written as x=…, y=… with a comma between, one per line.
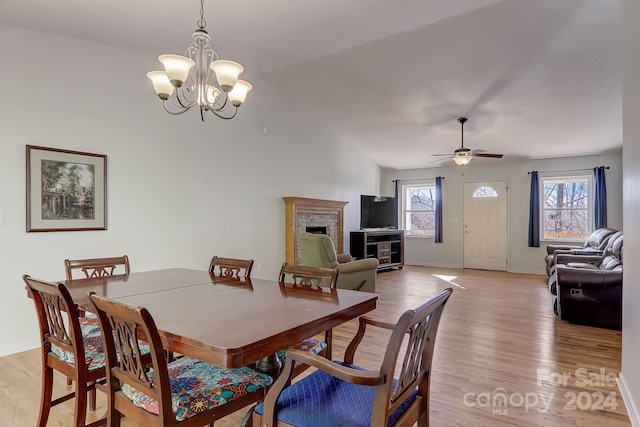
x=385, y=245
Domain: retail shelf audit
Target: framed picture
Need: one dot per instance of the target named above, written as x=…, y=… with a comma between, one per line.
x=66, y=190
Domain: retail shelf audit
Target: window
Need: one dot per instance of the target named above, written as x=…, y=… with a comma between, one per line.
x=566, y=207
x=419, y=209
x=485, y=191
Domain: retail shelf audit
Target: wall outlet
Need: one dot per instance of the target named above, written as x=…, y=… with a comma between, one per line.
x=259, y=268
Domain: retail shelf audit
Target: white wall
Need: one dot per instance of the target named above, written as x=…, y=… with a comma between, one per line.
x=179, y=190
x=521, y=258
x=630, y=376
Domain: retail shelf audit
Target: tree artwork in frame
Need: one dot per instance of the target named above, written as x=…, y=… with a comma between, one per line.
x=66, y=190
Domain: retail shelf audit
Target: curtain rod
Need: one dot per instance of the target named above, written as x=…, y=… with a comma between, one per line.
x=417, y=179
x=569, y=170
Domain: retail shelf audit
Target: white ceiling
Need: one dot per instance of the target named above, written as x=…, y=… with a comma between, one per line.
x=536, y=78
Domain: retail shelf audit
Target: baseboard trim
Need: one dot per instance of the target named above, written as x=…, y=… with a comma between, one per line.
x=537, y=272
x=17, y=348
x=424, y=264
x=632, y=409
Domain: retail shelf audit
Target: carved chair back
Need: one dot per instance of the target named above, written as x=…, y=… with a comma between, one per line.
x=308, y=277
x=97, y=267
x=124, y=329
x=231, y=268
x=63, y=348
x=417, y=328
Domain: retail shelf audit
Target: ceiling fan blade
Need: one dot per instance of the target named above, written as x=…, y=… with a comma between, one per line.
x=447, y=155
x=493, y=156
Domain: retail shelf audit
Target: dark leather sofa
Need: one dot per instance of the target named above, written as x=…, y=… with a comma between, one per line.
x=596, y=242
x=589, y=288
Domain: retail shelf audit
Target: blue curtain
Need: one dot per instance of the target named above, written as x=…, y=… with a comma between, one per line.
x=438, y=224
x=600, y=202
x=396, y=201
x=534, y=212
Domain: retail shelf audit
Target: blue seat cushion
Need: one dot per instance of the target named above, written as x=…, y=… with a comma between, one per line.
x=321, y=400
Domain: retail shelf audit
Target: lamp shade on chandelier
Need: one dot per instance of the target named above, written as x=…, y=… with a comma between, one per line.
x=200, y=78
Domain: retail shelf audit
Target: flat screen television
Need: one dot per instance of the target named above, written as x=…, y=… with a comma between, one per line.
x=377, y=212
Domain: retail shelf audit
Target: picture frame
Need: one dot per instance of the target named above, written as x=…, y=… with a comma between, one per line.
x=66, y=190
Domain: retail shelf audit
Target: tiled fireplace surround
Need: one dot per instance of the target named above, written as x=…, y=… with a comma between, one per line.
x=303, y=212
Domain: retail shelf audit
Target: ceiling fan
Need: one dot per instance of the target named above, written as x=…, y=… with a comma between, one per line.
x=463, y=155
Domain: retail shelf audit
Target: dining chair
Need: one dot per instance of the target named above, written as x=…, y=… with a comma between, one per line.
x=186, y=392
x=72, y=347
x=309, y=278
x=231, y=267
x=97, y=267
x=341, y=393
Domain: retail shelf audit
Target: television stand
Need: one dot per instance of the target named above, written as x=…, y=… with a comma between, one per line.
x=385, y=245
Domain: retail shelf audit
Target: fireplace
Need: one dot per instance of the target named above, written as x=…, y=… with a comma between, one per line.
x=316, y=230
x=313, y=216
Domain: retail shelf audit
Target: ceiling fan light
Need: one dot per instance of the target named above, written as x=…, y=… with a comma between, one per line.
x=462, y=160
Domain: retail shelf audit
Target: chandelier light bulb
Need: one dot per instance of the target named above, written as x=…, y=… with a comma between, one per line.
x=227, y=73
x=177, y=68
x=239, y=92
x=161, y=84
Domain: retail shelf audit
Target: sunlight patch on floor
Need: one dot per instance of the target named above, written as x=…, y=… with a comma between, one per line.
x=449, y=279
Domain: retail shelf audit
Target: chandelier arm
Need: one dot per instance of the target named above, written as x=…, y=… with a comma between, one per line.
x=175, y=113
x=235, y=111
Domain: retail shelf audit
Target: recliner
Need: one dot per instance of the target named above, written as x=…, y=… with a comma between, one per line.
x=597, y=241
x=317, y=250
x=589, y=288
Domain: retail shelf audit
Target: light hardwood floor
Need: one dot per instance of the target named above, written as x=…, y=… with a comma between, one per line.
x=498, y=337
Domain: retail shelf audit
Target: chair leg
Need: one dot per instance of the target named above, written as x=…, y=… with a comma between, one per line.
x=328, y=338
x=92, y=397
x=80, y=415
x=247, y=421
x=46, y=394
x=114, y=418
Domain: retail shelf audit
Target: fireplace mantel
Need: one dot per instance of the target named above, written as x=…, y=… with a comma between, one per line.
x=296, y=209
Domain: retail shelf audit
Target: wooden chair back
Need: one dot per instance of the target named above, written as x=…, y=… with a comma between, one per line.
x=97, y=267
x=53, y=304
x=231, y=268
x=410, y=348
x=308, y=277
x=417, y=328
x=123, y=328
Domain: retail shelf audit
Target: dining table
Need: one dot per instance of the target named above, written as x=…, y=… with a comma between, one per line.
x=224, y=321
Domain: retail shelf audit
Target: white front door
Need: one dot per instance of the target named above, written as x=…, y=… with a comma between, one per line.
x=485, y=225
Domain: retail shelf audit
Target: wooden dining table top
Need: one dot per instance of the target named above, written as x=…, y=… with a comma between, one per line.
x=222, y=321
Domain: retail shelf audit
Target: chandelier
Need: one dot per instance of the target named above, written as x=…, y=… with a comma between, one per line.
x=188, y=81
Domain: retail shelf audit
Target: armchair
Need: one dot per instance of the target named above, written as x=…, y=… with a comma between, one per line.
x=317, y=250
x=343, y=394
x=596, y=242
x=589, y=289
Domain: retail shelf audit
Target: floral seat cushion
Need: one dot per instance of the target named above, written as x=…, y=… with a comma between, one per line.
x=310, y=345
x=92, y=339
x=197, y=386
